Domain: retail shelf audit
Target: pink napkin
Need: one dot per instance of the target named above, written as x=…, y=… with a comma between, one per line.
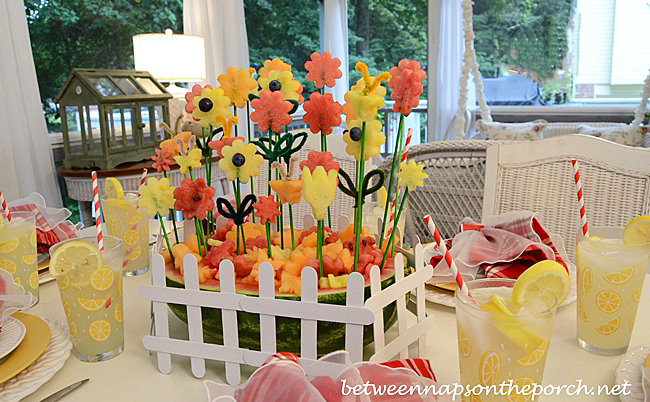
x=52, y=224
x=504, y=247
x=282, y=378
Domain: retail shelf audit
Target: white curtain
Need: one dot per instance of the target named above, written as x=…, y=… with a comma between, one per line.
x=446, y=50
x=334, y=39
x=223, y=26
x=27, y=164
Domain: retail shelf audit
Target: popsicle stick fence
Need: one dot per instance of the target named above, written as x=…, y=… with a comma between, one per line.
x=355, y=314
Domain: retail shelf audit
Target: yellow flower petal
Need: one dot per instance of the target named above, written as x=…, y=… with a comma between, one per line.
x=157, y=196
x=191, y=160
x=252, y=161
x=288, y=85
x=319, y=189
x=374, y=139
x=411, y=175
x=219, y=106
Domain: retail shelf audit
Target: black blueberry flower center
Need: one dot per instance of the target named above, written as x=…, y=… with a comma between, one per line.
x=238, y=159
x=355, y=134
x=275, y=85
x=205, y=105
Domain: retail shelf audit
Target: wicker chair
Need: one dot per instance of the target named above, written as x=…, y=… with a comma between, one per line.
x=538, y=176
x=454, y=188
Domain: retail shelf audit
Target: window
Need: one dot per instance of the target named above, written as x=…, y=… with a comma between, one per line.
x=546, y=52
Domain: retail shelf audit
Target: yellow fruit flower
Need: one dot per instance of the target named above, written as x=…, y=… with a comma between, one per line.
x=237, y=84
x=411, y=175
x=374, y=138
x=284, y=79
x=319, y=189
x=209, y=105
x=240, y=161
x=191, y=160
x=157, y=196
x=367, y=97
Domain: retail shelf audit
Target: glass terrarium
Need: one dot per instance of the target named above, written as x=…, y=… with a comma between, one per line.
x=110, y=117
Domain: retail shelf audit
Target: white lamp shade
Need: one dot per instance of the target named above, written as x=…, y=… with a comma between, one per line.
x=173, y=58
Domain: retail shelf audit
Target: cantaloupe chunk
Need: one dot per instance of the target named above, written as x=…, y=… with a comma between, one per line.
x=192, y=242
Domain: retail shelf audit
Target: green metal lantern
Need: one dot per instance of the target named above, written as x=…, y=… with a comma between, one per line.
x=110, y=117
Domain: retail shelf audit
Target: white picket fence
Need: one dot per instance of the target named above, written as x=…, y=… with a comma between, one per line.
x=355, y=314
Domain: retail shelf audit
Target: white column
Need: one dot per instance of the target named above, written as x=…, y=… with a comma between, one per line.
x=26, y=153
x=334, y=39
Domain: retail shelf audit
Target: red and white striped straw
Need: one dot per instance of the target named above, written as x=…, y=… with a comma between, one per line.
x=98, y=218
x=581, y=201
x=4, y=206
x=405, y=156
x=144, y=179
x=447, y=255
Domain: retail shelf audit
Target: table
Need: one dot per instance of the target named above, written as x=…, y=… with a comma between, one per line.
x=134, y=375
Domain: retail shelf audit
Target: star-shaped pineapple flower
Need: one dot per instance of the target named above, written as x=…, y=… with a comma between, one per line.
x=323, y=69
x=411, y=175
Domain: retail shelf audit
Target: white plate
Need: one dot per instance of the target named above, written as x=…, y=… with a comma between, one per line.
x=43, y=369
x=13, y=332
x=630, y=370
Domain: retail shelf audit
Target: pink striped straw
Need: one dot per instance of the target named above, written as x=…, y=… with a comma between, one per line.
x=405, y=156
x=144, y=179
x=98, y=218
x=450, y=262
x=581, y=201
x=4, y=206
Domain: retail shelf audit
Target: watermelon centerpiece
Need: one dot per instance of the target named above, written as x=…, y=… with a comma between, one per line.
x=330, y=335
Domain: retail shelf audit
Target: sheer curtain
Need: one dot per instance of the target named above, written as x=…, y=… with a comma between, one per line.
x=446, y=50
x=223, y=26
x=27, y=164
x=334, y=39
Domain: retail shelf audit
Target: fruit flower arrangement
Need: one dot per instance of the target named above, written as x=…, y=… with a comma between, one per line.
x=253, y=233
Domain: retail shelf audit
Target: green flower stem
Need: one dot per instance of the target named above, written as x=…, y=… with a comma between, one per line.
x=293, y=242
x=279, y=222
x=191, y=174
x=169, y=246
x=208, y=175
x=323, y=147
x=396, y=157
x=268, y=238
x=269, y=162
x=319, y=247
x=359, y=209
x=198, y=229
x=392, y=234
x=248, y=127
x=172, y=214
x=240, y=229
x=235, y=114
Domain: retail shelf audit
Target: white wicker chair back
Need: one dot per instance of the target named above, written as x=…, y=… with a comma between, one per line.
x=538, y=176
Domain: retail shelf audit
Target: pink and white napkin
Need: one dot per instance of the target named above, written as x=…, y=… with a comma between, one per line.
x=504, y=247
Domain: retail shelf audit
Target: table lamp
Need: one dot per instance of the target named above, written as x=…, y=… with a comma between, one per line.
x=171, y=58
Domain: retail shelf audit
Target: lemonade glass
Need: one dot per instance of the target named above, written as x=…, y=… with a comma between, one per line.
x=610, y=278
x=18, y=250
x=92, y=301
x=497, y=348
x=125, y=220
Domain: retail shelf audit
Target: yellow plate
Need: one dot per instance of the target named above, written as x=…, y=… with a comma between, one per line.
x=33, y=345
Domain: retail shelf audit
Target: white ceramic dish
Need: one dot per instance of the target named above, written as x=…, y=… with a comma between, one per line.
x=630, y=369
x=13, y=332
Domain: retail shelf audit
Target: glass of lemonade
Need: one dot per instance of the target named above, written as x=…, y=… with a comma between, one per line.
x=610, y=278
x=495, y=348
x=90, y=285
x=18, y=249
x=125, y=220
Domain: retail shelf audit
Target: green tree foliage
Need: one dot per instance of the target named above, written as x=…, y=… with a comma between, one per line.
x=66, y=34
x=528, y=35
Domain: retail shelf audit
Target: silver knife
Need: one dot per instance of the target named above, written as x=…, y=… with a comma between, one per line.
x=60, y=394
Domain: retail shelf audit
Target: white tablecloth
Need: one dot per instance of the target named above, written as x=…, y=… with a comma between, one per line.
x=134, y=376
